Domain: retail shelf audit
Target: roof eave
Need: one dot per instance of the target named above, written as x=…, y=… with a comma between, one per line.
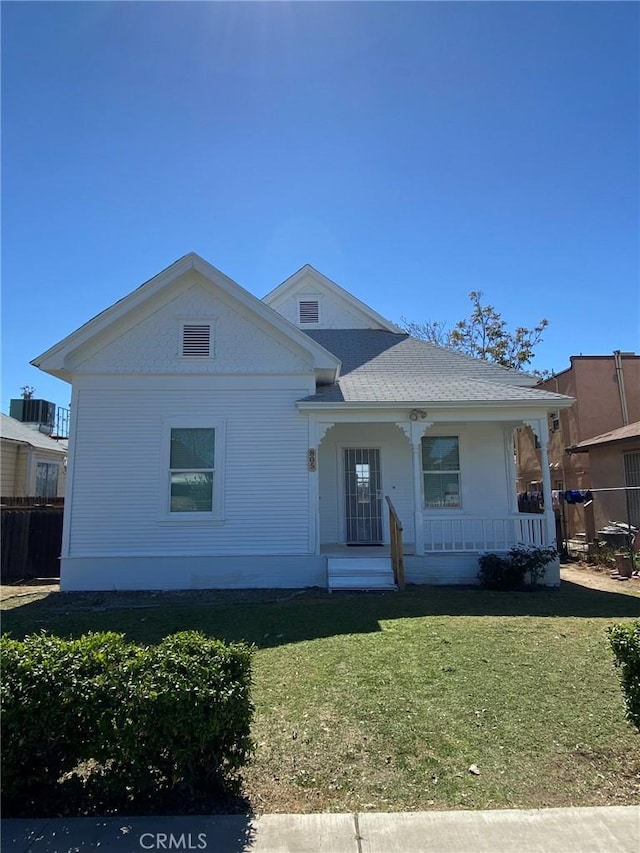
x=550, y=405
x=52, y=361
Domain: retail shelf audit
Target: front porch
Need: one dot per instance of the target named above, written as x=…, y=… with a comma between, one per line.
x=362, y=467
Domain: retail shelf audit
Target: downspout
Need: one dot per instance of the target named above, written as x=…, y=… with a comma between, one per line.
x=617, y=358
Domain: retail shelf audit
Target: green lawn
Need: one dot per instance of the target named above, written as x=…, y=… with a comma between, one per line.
x=384, y=701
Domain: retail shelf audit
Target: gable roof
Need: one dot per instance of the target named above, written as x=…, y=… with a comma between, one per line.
x=13, y=430
x=382, y=367
x=53, y=360
x=623, y=433
x=278, y=295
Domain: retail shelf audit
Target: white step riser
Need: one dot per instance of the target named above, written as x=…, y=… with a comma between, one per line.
x=360, y=573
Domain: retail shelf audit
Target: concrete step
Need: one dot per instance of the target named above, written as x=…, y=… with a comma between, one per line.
x=359, y=573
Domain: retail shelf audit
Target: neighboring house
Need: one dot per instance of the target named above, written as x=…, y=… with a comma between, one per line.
x=32, y=464
x=219, y=440
x=606, y=389
x=614, y=459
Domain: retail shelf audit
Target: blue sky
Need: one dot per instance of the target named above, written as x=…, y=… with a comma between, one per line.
x=412, y=152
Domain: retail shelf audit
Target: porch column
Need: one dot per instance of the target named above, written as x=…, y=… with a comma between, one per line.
x=510, y=465
x=540, y=428
x=418, y=519
x=416, y=430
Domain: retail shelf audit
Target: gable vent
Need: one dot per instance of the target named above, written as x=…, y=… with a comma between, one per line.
x=309, y=311
x=196, y=339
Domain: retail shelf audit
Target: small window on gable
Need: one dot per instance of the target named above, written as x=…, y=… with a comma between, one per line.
x=309, y=311
x=196, y=340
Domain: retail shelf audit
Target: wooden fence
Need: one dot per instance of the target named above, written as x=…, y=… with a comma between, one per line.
x=31, y=532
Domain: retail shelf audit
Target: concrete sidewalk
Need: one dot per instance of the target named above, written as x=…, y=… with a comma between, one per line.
x=614, y=829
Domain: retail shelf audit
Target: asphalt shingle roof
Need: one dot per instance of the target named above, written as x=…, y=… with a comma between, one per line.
x=15, y=430
x=384, y=367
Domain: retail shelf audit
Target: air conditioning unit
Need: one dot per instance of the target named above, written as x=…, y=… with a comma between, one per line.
x=40, y=412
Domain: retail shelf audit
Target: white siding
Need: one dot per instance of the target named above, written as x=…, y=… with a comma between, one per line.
x=120, y=473
x=239, y=343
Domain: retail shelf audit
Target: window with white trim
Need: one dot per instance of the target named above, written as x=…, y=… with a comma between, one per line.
x=441, y=472
x=308, y=311
x=192, y=470
x=195, y=340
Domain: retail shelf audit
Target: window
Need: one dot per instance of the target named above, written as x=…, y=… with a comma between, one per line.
x=196, y=340
x=46, y=480
x=441, y=472
x=632, y=478
x=309, y=311
x=192, y=470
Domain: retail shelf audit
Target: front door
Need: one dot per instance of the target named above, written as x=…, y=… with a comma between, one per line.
x=363, y=496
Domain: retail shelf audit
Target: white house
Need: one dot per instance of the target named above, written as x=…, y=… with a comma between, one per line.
x=219, y=440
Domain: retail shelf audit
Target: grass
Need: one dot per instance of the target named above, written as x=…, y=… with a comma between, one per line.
x=384, y=701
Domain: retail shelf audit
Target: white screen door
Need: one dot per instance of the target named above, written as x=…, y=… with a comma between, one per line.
x=363, y=496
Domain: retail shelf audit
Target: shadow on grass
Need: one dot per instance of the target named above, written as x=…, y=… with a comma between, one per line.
x=282, y=618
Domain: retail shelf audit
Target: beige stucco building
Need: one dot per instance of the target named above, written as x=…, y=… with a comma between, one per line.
x=606, y=389
x=614, y=458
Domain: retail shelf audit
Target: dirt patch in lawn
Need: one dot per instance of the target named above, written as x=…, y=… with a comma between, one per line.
x=24, y=592
x=597, y=577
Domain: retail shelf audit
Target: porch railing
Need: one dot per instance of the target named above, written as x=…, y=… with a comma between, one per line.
x=484, y=534
x=395, y=539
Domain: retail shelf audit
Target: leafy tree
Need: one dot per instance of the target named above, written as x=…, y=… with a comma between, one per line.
x=483, y=335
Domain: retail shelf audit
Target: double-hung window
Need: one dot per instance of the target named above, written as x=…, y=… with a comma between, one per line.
x=441, y=472
x=192, y=470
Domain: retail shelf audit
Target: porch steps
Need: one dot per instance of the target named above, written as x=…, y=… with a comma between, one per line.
x=359, y=573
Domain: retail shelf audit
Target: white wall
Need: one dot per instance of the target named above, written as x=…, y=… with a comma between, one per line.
x=335, y=311
x=120, y=474
x=241, y=343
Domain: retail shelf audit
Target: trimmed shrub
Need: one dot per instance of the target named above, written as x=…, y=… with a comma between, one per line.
x=512, y=570
x=53, y=692
x=115, y=724
x=625, y=642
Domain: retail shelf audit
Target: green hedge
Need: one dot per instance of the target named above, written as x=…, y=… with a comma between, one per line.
x=625, y=642
x=108, y=725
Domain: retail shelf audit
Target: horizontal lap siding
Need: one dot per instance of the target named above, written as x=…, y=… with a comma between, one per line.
x=120, y=473
x=483, y=471
x=8, y=469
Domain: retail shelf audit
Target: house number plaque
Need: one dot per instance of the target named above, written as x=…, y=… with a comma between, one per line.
x=312, y=459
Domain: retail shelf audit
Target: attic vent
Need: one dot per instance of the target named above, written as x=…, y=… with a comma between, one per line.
x=196, y=339
x=309, y=311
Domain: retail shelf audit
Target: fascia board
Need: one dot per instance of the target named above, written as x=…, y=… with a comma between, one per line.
x=278, y=294
x=546, y=405
x=53, y=360
x=112, y=314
